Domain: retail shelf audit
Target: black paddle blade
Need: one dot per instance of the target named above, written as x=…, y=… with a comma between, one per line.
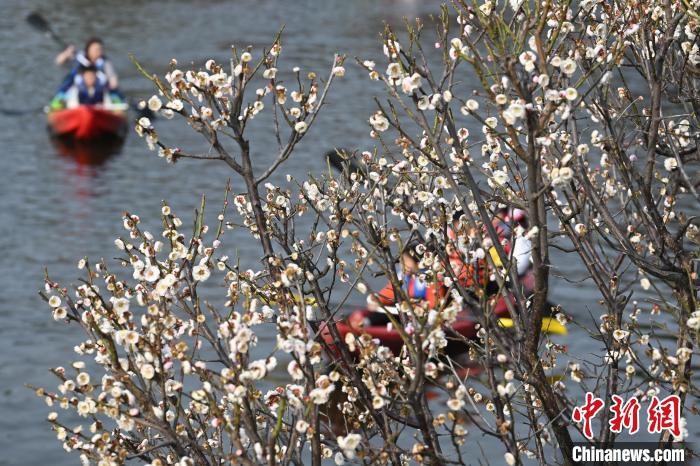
x=344, y=162
x=37, y=21
x=19, y=111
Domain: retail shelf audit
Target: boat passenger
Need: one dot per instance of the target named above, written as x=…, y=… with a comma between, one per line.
x=412, y=283
x=472, y=270
x=91, y=55
x=415, y=287
x=87, y=89
x=507, y=223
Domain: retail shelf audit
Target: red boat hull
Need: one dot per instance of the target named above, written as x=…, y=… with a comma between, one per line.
x=391, y=338
x=87, y=123
x=465, y=326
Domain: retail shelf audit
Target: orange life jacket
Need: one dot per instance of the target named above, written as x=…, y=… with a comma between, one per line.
x=415, y=288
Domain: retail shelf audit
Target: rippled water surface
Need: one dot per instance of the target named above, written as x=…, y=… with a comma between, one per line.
x=53, y=210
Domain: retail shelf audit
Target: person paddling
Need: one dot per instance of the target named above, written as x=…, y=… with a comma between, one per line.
x=92, y=56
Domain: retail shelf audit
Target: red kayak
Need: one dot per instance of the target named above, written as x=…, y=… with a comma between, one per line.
x=359, y=323
x=87, y=122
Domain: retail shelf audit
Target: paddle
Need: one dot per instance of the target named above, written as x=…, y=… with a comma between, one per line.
x=342, y=160
x=550, y=325
x=38, y=22
x=20, y=112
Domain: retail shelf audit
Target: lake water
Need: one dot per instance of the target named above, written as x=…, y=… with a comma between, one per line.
x=53, y=211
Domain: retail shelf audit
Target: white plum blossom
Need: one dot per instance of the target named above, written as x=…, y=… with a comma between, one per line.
x=571, y=94
x=120, y=305
x=60, y=313
x=527, y=59
x=513, y=113
x=83, y=379
x=145, y=122
x=147, y=371
x=517, y=110
x=348, y=444
x=175, y=104
x=301, y=426
x=319, y=396
x=151, y=273
x=392, y=48
x=457, y=48
x=568, y=66
x=620, y=335
x=694, y=323
x=499, y=177
x=379, y=122
x=409, y=84
x=486, y=8
x=200, y=272
x=393, y=71
x=301, y=127
x=455, y=404
x=561, y=176
x=154, y=103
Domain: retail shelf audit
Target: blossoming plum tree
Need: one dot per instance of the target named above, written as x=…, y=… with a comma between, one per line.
x=603, y=169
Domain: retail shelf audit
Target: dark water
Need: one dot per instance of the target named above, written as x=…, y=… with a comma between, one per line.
x=55, y=211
